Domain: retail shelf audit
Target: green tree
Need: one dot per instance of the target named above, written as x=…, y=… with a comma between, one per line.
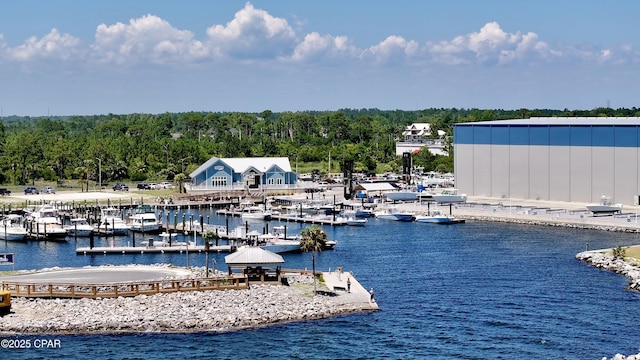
x=313, y=238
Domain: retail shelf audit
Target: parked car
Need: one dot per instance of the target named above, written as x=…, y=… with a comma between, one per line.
x=166, y=185
x=48, y=190
x=154, y=186
x=31, y=190
x=5, y=192
x=144, y=186
x=120, y=187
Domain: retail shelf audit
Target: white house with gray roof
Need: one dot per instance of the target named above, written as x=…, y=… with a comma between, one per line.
x=260, y=173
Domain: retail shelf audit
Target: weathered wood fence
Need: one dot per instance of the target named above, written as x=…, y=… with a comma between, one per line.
x=75, y=290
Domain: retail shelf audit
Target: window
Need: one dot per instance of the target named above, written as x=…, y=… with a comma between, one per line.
x=218, y=181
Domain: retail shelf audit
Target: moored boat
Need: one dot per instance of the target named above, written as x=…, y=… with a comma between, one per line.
x=12, y=229
x=352, y=221
x=435, y=217
x=255, y=213
x=111, y=222
x=392, y=214
x=78, y=227
x=44, y=223
x=145, y=220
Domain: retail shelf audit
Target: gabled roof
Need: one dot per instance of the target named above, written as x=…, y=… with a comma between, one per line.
x=253, y=256
x=241, y=165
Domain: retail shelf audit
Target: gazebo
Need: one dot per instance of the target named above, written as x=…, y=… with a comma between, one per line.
x=256, y=263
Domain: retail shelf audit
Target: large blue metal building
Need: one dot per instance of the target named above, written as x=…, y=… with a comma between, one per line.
x=556, y=159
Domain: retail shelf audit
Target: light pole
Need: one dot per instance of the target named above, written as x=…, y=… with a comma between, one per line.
x=297, y=164
x=99, y=173
x=329, y=172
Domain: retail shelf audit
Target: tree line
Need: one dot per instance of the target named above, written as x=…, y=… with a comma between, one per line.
x=139, y=147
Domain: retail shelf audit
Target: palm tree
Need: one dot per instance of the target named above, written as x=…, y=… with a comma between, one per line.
x=180, y=179
x=313, y=238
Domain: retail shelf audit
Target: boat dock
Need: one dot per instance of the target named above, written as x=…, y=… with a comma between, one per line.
x=333, y=221
x=107, y=250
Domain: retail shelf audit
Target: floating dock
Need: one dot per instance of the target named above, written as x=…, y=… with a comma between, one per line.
x=106, y=250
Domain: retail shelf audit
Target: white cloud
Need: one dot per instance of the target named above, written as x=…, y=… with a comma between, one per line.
x=315, y=47
x=253, y=33
x=53, y=46
x=490, y=45
x=148, y=38
x=392, y=49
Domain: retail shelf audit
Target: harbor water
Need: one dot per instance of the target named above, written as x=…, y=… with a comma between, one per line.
x=477, y=290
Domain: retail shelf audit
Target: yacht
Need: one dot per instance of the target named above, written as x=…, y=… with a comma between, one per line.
x=111, y=222
x=145, y=220
x=44, y=223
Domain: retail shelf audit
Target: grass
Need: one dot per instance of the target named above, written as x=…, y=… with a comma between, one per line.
x=632, y=251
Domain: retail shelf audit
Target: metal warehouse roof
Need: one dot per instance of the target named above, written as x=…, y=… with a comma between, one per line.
x=561, y=121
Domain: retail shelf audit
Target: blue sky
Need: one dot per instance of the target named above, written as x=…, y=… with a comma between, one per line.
x=78, y=57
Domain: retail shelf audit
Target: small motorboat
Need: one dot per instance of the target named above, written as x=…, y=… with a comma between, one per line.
x=352, y=221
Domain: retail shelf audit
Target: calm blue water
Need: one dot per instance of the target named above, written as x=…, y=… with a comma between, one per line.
x=469, y=291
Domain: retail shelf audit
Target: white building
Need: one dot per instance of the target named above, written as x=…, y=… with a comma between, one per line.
x=417, y=136
x=557, y=159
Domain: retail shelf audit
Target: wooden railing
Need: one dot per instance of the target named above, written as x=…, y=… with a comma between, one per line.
x=67, y=290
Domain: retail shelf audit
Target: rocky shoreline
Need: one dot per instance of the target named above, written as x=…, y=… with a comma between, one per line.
x=602, y=260
x=631, y=270
x=215, y=311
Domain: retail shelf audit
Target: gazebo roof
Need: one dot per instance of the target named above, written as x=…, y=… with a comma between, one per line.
x=253, y=256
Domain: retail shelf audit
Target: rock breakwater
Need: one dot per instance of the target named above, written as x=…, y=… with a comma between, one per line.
x=602, y=260
x=217, y=310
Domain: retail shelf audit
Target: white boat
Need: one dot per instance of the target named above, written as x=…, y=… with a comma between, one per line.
x=435, y=217
x=145, y=220
x=166, y=240
x=402, y=195
x=606, y=206
x=78, y=227
x=11, y=228
x=111, y=222
x=45, y=223
x=272, y=242
x=449, y=195
x=255, y=213
x=392, y=214
x=352, y=221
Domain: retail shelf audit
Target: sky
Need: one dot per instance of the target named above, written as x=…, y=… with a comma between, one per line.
x=78, y=57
